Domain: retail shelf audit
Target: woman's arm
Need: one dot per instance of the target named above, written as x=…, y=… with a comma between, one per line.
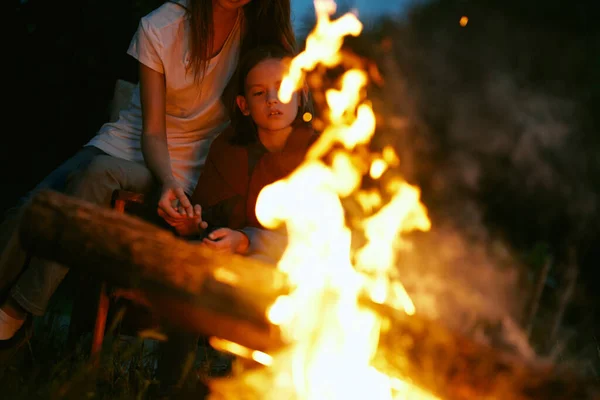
x=154, y=141
x=154, y=132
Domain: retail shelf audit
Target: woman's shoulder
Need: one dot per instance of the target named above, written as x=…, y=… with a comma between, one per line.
x=167, y=14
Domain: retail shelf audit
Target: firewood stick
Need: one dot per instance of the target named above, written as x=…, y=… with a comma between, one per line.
x=537, y=295
x=570, y=281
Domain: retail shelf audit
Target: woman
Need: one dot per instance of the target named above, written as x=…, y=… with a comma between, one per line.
x=187, y=52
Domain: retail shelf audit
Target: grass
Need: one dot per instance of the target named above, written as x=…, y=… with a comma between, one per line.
x=48, y=368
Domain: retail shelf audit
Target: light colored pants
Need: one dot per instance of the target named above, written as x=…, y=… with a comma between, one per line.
x=90, y=175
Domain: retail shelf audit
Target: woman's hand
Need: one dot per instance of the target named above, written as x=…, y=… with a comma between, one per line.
x=227, y=241
x=174, y=202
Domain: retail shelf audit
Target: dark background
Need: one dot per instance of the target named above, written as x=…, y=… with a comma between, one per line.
x=66, y=58
x=514, y=96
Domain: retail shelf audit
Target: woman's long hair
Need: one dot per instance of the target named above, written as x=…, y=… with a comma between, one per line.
x=244, y=129
x=265, y=22
x=268, y=22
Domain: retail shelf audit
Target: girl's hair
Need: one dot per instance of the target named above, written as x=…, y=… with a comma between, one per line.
x=243, y=126
x=265, y=22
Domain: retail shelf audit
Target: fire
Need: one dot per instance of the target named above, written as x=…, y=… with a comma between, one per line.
x=325, y=42
x=333, y=337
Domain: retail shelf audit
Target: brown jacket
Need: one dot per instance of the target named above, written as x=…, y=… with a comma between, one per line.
x=234, y=175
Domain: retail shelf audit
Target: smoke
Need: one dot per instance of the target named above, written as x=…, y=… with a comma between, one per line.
x=528, y=131
x=458, y=273
x=488, y=148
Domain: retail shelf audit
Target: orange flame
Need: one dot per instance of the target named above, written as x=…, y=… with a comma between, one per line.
x=335, y=339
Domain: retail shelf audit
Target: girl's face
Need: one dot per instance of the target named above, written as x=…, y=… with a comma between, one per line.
x=231, y=4
x=261, y=100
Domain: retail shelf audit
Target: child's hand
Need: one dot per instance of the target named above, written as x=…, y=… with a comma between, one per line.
x=184, y=225
x=227, y=241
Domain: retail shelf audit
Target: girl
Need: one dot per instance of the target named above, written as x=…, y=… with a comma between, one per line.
x=266, y=142
x=187, y=52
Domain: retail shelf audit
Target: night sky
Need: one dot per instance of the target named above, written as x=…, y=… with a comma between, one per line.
x=365, y=7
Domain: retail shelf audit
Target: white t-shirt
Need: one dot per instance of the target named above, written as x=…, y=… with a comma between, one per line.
x=195, y=114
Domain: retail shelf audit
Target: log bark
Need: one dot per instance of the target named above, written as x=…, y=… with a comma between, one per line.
x=188, y=284
x=228, y=297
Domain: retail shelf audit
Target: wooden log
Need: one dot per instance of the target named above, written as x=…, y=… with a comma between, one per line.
x=188, y=284
x=457, y=368
x=228, y=297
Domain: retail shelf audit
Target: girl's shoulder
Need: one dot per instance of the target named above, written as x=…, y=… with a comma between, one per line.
x=302, y=137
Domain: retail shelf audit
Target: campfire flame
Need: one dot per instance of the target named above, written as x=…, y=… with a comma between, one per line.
x=333, y=337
